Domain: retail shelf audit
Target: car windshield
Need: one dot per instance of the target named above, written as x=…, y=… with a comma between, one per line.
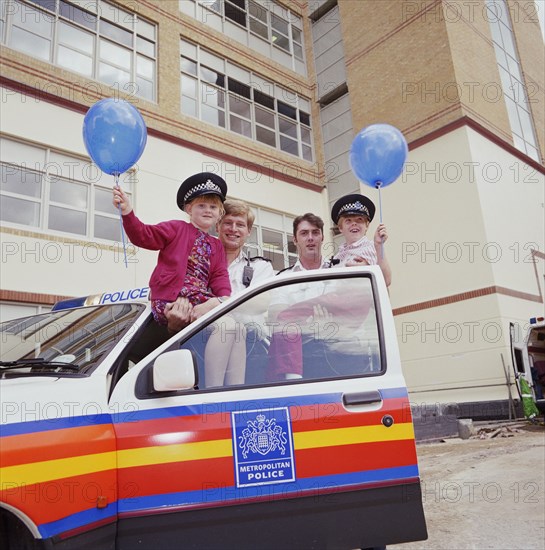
x=78, y=338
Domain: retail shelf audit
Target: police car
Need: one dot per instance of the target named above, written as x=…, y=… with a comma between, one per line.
x=111, y=438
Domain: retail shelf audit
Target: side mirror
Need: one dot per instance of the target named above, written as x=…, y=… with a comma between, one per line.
x=174, y=371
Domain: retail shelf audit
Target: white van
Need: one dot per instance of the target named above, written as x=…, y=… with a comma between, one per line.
x=111, y=438
x=529, y=359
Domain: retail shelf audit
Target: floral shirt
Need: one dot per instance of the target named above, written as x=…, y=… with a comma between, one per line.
x=195, y=287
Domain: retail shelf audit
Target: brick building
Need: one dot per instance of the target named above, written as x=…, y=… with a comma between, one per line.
x=270, y=95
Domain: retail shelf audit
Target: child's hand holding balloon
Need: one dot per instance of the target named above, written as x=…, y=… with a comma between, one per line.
x=121, y=201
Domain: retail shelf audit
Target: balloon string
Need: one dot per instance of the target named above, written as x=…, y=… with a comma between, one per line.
x=116, y=177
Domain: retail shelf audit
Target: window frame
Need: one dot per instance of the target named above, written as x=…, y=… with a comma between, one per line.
x=516, y=99
x=48, y=175
x=256, y=244
x=194, y=59
x=129, y=24
x=294, y=49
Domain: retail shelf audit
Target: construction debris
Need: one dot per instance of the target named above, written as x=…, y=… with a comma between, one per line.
x=504, y=431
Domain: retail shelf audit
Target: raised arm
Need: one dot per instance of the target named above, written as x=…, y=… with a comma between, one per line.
x=151, y=237
x=381, y=236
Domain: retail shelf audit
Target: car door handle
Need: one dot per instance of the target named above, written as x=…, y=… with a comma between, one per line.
x=361, y=398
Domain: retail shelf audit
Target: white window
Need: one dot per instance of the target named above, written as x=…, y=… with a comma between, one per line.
x=267, y=21
x=31, y=31
x=92, y=38
x=44, y=189
x=221, y=93
x=258, y=19
x=280, y=32
x=75, y=48
x=16, y=310
x=272, y=238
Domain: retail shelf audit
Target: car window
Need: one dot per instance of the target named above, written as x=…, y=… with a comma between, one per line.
x=300, y=331
x=81, y=336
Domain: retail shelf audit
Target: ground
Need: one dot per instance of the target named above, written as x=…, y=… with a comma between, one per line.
x=484, y=493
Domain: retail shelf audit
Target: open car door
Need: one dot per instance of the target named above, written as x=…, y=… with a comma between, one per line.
x=312, y=448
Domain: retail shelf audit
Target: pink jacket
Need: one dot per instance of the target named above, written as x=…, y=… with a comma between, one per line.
x=174, y=240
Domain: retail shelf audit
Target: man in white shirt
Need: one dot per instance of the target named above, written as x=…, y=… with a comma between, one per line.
x=229, y=341
x=308, y=237
x=234, y=228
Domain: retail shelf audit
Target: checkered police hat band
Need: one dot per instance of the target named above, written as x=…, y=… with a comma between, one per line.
x=208, y=185
x=354, y=207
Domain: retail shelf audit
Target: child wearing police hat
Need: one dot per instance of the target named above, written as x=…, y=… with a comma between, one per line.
x=352, y=214
x=191, y=263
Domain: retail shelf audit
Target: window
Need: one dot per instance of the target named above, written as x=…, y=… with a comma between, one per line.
x=258, y=19
x=269, y=22
x=93, y=38
x=221, y=93
x=15, y=310
x=514, y=89
x=271, y=238
x=235, y=10
x=281, y=341
x=280, y=32
x=44, y=189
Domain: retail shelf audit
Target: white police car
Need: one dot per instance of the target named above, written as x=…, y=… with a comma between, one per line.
x=112, y=438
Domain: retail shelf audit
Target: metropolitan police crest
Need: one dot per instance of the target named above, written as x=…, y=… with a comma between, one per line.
x=262, y=436
x=263, y=446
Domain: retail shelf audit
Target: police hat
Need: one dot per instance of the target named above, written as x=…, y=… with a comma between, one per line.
x=205, y=183
x=354, y=204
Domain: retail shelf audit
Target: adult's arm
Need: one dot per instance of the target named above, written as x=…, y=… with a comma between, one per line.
x=219, y=276
x=263, y=270
x=259, y=304
x=385, y=267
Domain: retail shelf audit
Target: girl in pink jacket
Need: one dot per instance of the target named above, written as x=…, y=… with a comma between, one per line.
x=191, y=263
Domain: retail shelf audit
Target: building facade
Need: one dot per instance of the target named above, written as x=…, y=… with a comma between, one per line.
x=270, y=95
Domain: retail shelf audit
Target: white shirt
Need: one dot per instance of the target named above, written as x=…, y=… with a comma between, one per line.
x=262, y=270
x=303, y=291
x=297, y=266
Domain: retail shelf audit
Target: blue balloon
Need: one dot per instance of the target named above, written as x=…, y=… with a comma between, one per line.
x=114, y=134
x=378, y=154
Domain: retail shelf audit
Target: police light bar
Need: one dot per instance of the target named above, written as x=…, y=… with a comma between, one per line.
x=535, y=320
x=68, y=304
x=130, y=295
